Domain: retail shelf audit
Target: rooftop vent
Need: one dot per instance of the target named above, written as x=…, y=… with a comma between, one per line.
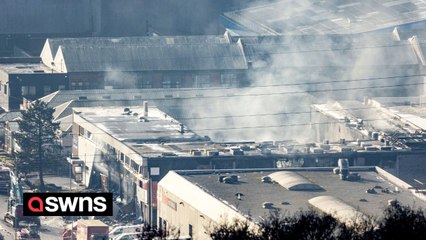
x=343, y=168
x=353, y=177
x=220, y=178
x=143, y=119
x=212, y=153
x=168, y=154
x=239, y=195
x=145, y=108
x=236, y=151
x=267, y=205
x=392, y=203
x=371, y=191
x=195, y=152
x=266, y=179
x=375, y=136
x=231, y=179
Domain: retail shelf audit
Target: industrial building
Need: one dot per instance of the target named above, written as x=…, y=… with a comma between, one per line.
x=146, y=62
x=19, y=81
x=192, y=201
x=325, y=17
x=132, y=148
x=394, y=122
x=226, y=61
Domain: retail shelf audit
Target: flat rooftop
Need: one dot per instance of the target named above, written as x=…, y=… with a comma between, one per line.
x=254, y=192
x=404, y=123
x=323, y=17
x=25, y=68
x=129, y=125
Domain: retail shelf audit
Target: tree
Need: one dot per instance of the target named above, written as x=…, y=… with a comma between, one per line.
x=398, y=222
x=402, y=222
x=37, y=139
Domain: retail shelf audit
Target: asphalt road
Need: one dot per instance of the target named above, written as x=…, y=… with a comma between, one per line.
x=51, y=227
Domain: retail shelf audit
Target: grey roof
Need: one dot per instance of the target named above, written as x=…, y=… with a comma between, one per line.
x=153, y=58
x=324, y=17
x=255, y=193
x=44, y=17
x=9, y=116
x=22, y=68
x=130, y=129
x=199, y=104
x=328, y=50
x=54, y=43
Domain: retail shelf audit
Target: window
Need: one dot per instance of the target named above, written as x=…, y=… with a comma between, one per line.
x=228, y=80
x=172, y=80
x=28, y=90
x=32, y=90
x=167, y=83
x=46, y=89
x=24, y=90
x=144, y=83
x=134, y=165
x=5, y=89
x=61, y=87
x=202, y=81
x=80, y=131
x=190, y=230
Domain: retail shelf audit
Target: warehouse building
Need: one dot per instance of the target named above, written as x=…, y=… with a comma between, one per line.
x=193, y=201
x=325, y=17
x=132, y=148
x=30, y=81
x=397, y=123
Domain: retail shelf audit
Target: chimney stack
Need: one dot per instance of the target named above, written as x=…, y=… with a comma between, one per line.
x=182, y=128
x=145, y=108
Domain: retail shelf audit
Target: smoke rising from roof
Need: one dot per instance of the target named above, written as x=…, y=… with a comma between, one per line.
x=353, y=66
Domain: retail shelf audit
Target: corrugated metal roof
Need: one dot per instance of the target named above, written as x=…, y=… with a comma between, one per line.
x=328, y=50
x=53, y=43
x=293, y=181
x=175, y=57
x=325, y=17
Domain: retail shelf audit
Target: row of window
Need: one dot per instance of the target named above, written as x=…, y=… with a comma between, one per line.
x=105, y=147
x=32, y=90
x=200, y=81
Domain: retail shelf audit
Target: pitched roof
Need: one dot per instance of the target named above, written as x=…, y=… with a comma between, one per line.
x=152, y=58
x=52, y=45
